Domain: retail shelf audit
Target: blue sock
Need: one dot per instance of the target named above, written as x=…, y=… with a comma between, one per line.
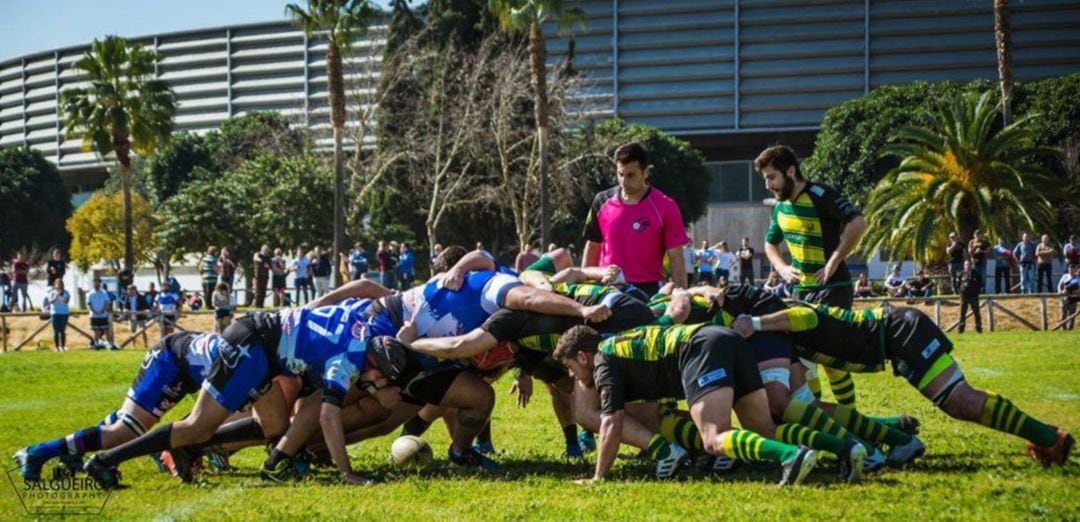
x=51, y=449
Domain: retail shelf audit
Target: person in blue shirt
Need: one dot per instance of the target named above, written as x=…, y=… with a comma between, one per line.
x=1024, y=253
x=168, y=305
x=174, y=368
x=358, y=262
x=406, y=267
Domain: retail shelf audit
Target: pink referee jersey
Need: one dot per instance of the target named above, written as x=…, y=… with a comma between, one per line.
x=635, y=236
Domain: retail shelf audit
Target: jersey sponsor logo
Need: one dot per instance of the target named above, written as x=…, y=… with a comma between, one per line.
x=711, y=377
x=358, y=330
x=149, y=359
x=640, y=225
x=231, y=358
x=930, y=349
x=820, y=191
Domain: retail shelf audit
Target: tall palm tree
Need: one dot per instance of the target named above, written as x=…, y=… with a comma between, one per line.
x=124, y=108
x=959, y=173
x=1003, y=37
x=528, y=16
x=340, y=22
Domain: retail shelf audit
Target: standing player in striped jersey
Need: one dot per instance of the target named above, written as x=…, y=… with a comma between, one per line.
x=820, y=227
x=862, y=341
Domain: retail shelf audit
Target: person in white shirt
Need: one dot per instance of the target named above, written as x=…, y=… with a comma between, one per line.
x=100, y=303
x=689, y=260
x=725, y=261
x=1069, y=288
x=57, y=301
x=301, y=266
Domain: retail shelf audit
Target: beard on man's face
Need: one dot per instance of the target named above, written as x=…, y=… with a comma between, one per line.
x=787, y=189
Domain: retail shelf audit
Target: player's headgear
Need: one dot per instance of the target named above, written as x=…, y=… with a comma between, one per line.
x=388, y=355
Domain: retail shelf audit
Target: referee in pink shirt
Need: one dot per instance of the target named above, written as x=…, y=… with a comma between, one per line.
x=633, y=225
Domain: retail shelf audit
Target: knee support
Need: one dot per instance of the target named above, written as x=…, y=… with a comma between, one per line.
x=803, y=394
x=131, y=422
x=780, y=375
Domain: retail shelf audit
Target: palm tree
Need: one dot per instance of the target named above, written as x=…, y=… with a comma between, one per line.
x=1003, y=37
x=124, y=108
x=958, y=173
x=339, y=21
x=528, y=16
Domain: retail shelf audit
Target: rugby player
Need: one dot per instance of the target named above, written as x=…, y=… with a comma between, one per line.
x=862, y=341
x=706, y=365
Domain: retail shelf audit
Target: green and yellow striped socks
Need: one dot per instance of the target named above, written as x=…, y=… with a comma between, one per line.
x=1000, y=414
x=683, y=432
x=811, y=416
x=814, y=383
x=747, y=445
x=659, y=447
x=799, y=435
x=868, y=430
x=843, y=386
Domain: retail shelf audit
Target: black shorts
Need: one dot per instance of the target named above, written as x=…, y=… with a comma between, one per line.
x=842, y=296
x=99, y=323
x=245, y=367
x=648, y=288
x=772, y=345
x=717, y=357
x=430, y=386
x=278, y=282
x=169, y=319
x=914, y=343
x=222, y=313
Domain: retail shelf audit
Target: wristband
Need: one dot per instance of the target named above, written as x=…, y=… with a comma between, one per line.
x=756, y=323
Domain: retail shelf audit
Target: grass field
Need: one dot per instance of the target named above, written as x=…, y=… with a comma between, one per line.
x=969, y=472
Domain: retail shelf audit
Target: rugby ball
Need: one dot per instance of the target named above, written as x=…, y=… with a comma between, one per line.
x=411, y=452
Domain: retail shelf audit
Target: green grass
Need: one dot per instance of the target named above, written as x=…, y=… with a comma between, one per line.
x=969, y=472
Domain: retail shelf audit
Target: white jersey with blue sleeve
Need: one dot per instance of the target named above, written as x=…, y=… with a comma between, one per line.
x=436, y=311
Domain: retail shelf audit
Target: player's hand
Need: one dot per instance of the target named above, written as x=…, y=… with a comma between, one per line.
x=743, y=325
x=823, y=275
x=353, y=478
x=453, y=279
x=523, y=386
x=407, y=334
x=789, y=274
x=595, y=313
x=612, y=275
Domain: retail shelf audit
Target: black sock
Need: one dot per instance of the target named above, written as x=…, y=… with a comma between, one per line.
x=415, y=427
x=154, y=441
x=569, y=433
x=275, y=457
x=484, y=437
x=236, y=431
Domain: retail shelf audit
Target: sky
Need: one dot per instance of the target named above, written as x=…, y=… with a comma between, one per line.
x=29, y=26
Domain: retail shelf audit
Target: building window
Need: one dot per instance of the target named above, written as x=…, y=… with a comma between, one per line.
x=734, y=182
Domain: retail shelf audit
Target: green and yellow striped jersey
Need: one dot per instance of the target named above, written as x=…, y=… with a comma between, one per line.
x=839, y=338
x=649, y=343
x=811, y=226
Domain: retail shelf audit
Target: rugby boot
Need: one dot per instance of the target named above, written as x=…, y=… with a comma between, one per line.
x=799, y=467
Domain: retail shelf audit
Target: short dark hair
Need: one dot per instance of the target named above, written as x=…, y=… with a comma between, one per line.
x=779, y=157
x=632, y=151
x=448, y=258
x=578, y=339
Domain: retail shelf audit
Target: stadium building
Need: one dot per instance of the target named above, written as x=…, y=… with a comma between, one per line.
x=730, y=76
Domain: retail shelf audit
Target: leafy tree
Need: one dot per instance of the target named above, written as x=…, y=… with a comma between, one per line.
x=339, y=21
x=97, y=230
x=34, y=203
x=529, y=16
x=958, y=173
x=678, y=170
x=177, y=163
x=123, y=109
x=247, y=136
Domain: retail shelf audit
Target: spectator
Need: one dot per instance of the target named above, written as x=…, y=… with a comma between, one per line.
x=1003, y=263
x=1044, y=254
x=358, y=262
x=435, y=252
x=57, y=303
x=168, y=305
x=223, y=307
x=894, y=284
x=387, y=265
x=407, y=267
x=746, y=262
x=5, y=289
x=706, y=258
x=479, y=247
x=125, y=277
x=262, y=261
x=971, y=285
x=20, y=270
x=1024, y=253
x=978, y=249
x=100, y=304
x=1071, y=251
x=279, y=271
x=208, y=267
x=919, y=286
x=633, y=226
x=862, y=286
x=227, y=268
x=1069, y=288
x=301, y=268
x=690, y=263
x=954, y=252
x=56, y=267
x=195, y=302
x=136, y=309
x=725, y=262
x=552, y=247
x=775, y=285
x=321, y=268
x=526, y=257
x=151, y=293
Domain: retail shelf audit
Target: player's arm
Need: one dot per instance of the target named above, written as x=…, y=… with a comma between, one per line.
x=611, y=425
x=337, y=383
x=678, y=266
x=591, y=254
x=361, y=289
x=678, y=309
x=463, y=346
x=850, y=236
x=796, y=319
x=577, y=275
x=535, y=279
x=522, y=297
